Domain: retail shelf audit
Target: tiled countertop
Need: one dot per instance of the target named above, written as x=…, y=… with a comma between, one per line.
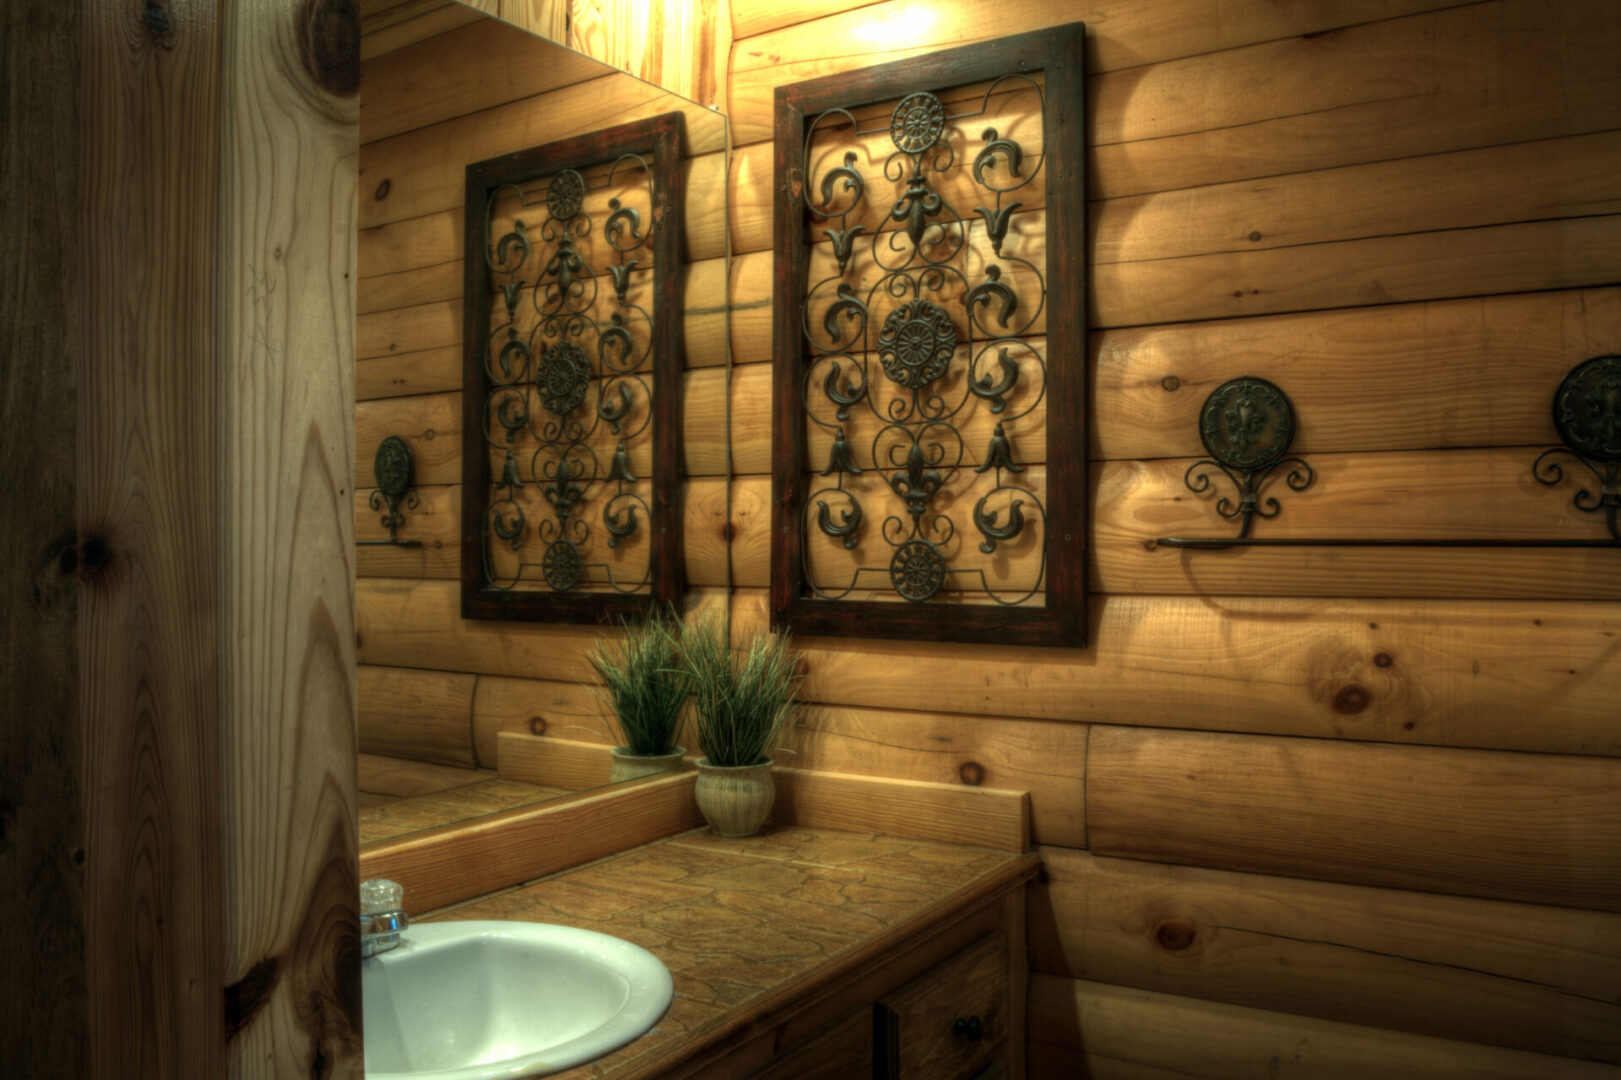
x=736, y=920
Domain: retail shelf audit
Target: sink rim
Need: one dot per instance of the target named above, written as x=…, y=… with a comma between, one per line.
x=651, y=991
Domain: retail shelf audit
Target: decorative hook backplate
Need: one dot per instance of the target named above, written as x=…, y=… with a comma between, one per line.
x=1246, y=425
x=391, y=469
x=1587, y=415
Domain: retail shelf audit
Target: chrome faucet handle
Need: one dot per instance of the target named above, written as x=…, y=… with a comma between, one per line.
x=382, y=915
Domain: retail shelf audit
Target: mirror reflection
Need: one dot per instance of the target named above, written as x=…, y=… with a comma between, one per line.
x=460, y=720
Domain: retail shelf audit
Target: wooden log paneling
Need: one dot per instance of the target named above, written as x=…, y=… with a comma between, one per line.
x=1450, y=373
x=1550, y=178
x=437, y=326
x=431, y=425
x=1515, y=975
x=1444, y=494
x=1538, y=828
x=386, y=27
x=418, y=260
x=422, y=171
x=1336, y=200
x=1048, y=760
x=1449, y=80
x=1522, y=675
x=1354, y=273
x=421, y=715
x=478, y=66
x=427, y=372
x=567, y=710
x=1556, y=254
x=1458, y=494
x=1115, y=1033
x=44, y=1023
x=1135, y=34
x=759, y=16
x=419, y=624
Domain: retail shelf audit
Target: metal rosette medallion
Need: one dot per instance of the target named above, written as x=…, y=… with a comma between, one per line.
x=917, y=570
x=1247, y=423
x=916, y=342
x=917, y=122
x=561, y=565
x=564, y=194
x=1587, y=408
x=562, y=378
x=392, y=467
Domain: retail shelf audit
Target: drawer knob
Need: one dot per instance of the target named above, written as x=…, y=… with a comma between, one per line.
x=971, y=1027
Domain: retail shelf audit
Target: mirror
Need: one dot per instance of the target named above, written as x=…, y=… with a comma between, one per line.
x=461, y=720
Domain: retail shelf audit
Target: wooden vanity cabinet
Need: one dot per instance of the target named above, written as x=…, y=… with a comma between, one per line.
x=944, y=1003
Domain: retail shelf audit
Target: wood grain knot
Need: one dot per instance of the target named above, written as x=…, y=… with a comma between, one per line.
x=1382, y=659
x=1351, y=699
x=382, y=191
x=245, y=997
x=156, y=19
x=1171, y=382
x=971, y=773
x=1175, y=935
x=1255, y=236
x=329, y=44
x=537, y=725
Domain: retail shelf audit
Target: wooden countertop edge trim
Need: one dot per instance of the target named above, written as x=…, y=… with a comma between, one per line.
x=461, y=862
x=751, y=1020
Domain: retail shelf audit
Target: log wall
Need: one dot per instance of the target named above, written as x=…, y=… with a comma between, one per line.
x=1313, y=810
x=1291, y=791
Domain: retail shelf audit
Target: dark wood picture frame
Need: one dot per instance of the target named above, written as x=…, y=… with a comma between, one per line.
x=1060, y=618
x=659, y=139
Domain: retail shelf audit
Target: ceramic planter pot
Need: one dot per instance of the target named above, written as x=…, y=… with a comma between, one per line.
x=628, y=766
x=735, y=800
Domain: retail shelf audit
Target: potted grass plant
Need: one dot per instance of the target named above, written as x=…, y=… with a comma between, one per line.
x=741, y=702
x=645, y=688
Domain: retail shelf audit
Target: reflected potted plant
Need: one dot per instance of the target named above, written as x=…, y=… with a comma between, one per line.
x=741, y=702
x=646, y=688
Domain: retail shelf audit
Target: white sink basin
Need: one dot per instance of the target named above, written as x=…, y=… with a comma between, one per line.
x=488, y=1000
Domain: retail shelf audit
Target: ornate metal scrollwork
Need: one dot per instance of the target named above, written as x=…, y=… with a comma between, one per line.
x=1587, y=415
x=573, y=373
x=392, y=470
x=1246, y=425
x=921, y=350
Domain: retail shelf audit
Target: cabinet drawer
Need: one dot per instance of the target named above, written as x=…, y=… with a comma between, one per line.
x=948, y=1021
x=840, y=1051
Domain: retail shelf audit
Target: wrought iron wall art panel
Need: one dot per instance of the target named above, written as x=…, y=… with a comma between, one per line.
x=392, y=470
x=571, y=398
x=929, y=446
x=1247, y=424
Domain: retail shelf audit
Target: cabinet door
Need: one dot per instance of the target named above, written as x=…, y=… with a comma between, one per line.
x=950, y=1020
x=840, y=1051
